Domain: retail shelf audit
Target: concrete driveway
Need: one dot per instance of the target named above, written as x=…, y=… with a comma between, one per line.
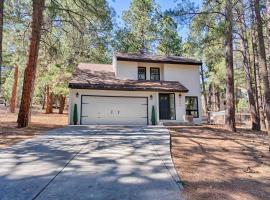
x=91, y=162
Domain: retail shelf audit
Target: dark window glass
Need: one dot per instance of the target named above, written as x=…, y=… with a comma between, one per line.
x=172, y=107
x=192, y=106
x=154, y=74
x=141, y=73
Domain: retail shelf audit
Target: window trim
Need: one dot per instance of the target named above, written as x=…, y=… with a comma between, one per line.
x=151, y=68
x=197, y=110
x=144, y=73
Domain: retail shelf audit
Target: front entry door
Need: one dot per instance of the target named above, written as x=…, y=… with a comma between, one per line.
x=164, y=106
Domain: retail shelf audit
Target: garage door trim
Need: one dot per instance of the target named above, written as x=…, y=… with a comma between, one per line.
x=84, y=95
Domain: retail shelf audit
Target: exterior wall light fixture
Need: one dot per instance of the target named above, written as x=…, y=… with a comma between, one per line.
x=77, y=94
x=151, y=97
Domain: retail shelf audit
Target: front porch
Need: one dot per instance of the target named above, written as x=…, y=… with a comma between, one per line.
x=176, y=108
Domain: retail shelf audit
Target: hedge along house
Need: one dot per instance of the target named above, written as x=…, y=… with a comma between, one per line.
x=126, y=92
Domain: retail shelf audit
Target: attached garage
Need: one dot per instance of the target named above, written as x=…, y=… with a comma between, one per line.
x=97, y=97
x=113, y=110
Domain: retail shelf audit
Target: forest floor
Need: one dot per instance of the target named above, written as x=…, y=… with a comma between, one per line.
x=216, y=164
x=40, y=123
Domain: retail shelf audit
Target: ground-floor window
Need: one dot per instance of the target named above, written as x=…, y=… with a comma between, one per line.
x=172, y=106
x=192, y=106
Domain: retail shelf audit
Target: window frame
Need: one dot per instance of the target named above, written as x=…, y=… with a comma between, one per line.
x=144, y=73
x=190, y=110
x=151, y=68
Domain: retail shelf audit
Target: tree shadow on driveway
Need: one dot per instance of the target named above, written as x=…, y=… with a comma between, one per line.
x=89, y=163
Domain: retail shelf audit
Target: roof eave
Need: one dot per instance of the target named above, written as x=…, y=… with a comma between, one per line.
x=157, y=61
x=91, y=87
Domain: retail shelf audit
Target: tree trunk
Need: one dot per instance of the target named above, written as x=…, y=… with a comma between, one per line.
x=268, y=26
x=230, y=101
x=215, y=96
x=210, y=92
x=218, y=99
x=62, y=100
x=258, y=89
x=247, y=68
x=263, y=61
x=44, y=99
x=47, y=99
x=30, y=70
x=204, y=91
x=50, y=103
x=14, y=90
x=1, y=39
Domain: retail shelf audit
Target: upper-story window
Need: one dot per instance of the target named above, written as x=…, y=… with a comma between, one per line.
x=141, y=73
x=154, y=74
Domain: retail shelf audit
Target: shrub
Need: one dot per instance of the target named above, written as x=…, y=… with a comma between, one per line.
x=75, y=115
x=153, y=116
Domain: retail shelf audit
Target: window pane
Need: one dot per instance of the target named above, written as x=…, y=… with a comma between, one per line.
x=172, y=107
x=141, y=73
x=154, y=74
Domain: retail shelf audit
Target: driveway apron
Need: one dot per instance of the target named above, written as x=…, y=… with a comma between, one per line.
x=91, y=162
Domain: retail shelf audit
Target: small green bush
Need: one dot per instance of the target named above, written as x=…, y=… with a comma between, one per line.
x=153, y=116
x=75, y=115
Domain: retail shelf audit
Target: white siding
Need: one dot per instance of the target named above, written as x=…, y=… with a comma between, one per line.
x=129, y=70
x=189, y=76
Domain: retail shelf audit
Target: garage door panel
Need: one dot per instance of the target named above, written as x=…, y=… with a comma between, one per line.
x=114, y=110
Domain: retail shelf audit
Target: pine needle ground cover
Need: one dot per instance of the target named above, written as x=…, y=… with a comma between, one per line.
x=216, y=164
x=40, y=123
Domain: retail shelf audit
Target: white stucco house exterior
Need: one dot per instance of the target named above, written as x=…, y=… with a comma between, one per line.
x=127, y=92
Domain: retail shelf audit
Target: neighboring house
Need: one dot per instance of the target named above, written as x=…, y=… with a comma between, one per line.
x=125, y=92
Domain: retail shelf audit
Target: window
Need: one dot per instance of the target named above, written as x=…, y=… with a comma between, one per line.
x=192, y=106
x=154, y=74
x=141, y=73
x=172, y=107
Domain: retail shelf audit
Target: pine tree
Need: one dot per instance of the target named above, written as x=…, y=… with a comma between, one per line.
x=140, y=21
x=30, y=70
x=230, y=100
x=263, y=60
x=1, y=39
x=14, y=90
x=170, y=42
x=247, y=65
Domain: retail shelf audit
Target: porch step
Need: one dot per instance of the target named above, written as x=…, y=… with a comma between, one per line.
x=178, y=124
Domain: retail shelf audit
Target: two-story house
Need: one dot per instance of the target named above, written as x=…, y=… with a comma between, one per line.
x=135, y=87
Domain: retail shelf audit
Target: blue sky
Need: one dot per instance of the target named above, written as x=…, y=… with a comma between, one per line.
x=121, y=5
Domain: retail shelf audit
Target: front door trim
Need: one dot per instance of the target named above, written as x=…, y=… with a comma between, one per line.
x=169, y=117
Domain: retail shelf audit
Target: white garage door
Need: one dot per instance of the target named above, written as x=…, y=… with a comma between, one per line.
x=114, y=110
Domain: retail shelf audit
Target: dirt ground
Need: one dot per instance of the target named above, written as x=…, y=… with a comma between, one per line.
x=40, y=122
x=216, y=164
